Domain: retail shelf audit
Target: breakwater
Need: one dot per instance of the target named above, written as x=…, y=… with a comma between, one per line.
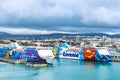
x=115, y=59
x=21, y=62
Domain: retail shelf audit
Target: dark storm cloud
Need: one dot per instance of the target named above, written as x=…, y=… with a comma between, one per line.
x=61, y=15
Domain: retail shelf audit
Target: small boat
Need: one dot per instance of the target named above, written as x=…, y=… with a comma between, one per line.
x=83, y=53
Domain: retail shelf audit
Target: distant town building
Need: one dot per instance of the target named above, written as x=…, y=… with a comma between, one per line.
x=77, y=38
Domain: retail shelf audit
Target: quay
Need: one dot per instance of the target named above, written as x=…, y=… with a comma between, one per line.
x=115, y=59
x=21, y=62
x=11, y=61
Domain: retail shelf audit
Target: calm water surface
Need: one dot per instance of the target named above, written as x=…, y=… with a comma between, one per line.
x=62, y=69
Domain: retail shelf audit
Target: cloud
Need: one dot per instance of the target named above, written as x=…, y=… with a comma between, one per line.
x=27, y=31
x=102, y=15
x=61, y=15
x=71, y=30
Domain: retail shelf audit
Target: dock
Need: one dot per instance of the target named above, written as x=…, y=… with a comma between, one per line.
x=21, y=62
x=115, y=59
x=11, y=61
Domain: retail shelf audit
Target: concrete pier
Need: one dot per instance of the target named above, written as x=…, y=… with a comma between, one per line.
x=11, y=61
x=21, y=62
x=115, y=59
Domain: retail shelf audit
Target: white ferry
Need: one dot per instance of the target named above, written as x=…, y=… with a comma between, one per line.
x=90, y=53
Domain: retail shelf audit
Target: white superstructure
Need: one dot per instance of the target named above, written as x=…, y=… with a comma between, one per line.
x=45, y=53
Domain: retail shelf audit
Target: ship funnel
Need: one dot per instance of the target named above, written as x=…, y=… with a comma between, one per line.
x=15, y=45
x=64, y=44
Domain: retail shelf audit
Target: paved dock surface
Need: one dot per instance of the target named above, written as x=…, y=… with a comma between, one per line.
x=21, y=62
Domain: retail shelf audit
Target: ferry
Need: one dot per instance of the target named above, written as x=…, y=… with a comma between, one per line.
x=32, y=55
x=83, y=53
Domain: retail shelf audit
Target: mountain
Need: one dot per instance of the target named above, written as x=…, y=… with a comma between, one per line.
x=116, y=35
x=4, y=35
x=94, y=34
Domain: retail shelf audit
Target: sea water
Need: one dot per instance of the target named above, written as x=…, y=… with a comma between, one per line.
x=62, y=69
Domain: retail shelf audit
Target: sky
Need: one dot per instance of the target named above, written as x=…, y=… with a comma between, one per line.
x=59, y=16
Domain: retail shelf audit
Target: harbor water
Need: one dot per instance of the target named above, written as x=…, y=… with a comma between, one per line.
x=62, y=69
